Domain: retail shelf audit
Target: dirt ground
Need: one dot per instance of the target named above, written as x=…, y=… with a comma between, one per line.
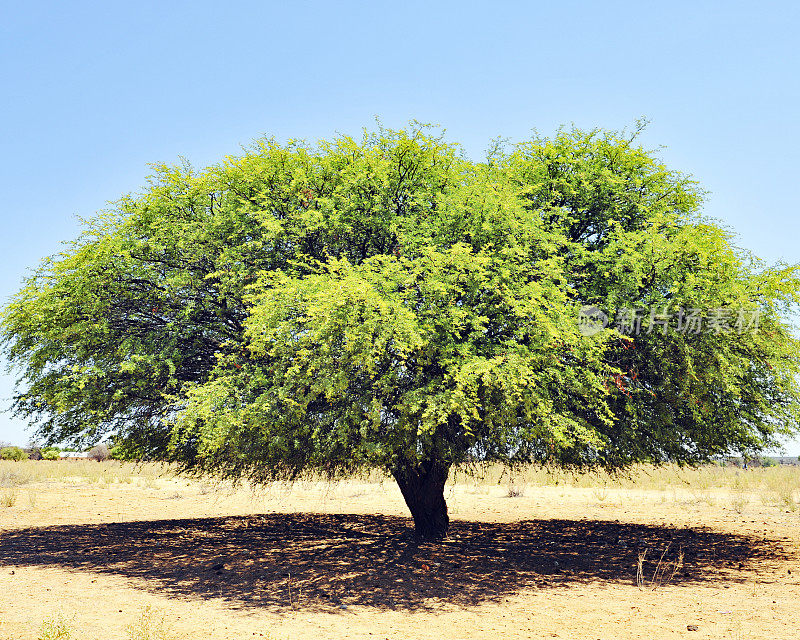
x=317, y=561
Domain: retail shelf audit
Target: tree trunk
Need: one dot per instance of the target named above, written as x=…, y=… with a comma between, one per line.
x=423, y=490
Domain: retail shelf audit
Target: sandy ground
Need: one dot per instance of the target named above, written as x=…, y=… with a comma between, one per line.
x=337, y=561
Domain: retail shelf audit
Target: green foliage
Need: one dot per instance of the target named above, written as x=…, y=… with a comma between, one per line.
x=118, y=453
x=386, y=302
x=50, y=453
x=125, y=449
x=13, y=453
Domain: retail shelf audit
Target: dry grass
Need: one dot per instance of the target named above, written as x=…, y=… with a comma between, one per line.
x=15, y=474
x=663, y=572
x=515, y=490
x=55, y=628
x=710, y=485
x=150, y=624
x=8, y=498
x=783, y=489
x=739, y=501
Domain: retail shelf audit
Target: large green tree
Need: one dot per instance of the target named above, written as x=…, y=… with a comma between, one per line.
x=388, y=303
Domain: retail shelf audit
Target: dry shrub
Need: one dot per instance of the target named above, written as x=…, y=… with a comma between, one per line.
x=9, y=498
x=100, y=453
x=515, y=490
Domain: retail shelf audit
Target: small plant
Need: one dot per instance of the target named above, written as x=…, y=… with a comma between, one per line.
x=739, y=501
x=150, y=625
x=702, y=495
x=13, y=453
x=515, y=490
x=55, y=628
x=600, y=493
x=9, y=498
x=663, y=573
x=740, y=496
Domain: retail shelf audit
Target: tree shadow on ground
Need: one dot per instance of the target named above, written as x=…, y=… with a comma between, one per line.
x=313, y=561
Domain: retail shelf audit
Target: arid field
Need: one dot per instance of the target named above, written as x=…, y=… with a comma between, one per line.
x=105, y=550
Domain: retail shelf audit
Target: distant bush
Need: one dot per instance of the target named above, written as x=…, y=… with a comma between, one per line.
x=99, y=453
x=50, y=453
x=13, y=453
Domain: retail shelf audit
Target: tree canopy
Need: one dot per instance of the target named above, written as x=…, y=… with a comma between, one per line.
x=389, y=303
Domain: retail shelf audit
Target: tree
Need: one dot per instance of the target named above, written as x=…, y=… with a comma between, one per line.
x=50, y=453
x=13, y=453
x=99, y=453
x=387, y=303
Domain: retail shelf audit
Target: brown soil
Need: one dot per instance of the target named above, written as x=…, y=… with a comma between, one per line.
x=338, y=561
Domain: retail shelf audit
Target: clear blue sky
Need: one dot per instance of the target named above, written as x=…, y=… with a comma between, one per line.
x=92, y=92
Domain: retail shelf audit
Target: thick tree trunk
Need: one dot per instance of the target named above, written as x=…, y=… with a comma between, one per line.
x=423, y=490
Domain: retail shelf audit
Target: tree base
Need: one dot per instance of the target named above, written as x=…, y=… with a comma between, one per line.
x=423, y=491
